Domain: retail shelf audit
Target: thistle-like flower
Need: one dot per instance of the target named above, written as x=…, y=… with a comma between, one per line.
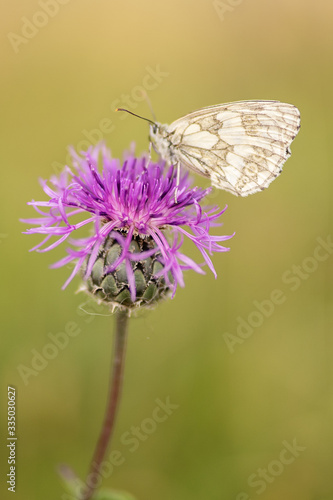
x=133, y=255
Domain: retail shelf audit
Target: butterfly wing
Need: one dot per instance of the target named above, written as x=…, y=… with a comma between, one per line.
x=241, y=146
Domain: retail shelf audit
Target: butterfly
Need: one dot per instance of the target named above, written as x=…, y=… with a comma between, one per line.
x=240, y=146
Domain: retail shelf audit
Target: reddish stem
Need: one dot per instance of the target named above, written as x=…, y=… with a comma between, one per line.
x=118, y=358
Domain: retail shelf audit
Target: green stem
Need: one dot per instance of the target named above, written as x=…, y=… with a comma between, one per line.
x=118, y=358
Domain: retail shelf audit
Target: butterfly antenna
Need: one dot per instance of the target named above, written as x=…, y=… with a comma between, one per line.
x=149, y=105
x=138, y=116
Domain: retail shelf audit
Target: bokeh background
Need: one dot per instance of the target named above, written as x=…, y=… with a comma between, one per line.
x=239, y=402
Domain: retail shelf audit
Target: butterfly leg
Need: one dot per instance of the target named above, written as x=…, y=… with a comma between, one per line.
x=149, y=157
x=177, y=181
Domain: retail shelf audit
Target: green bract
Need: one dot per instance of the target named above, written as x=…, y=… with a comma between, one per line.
x=113, y=287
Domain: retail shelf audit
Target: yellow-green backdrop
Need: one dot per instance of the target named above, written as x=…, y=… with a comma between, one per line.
x=241, y=401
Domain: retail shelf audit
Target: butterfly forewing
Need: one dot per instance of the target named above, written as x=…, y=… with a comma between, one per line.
x=241, y=146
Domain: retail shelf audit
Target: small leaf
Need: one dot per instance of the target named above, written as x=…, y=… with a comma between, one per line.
x=112, y=495
x=71, y=482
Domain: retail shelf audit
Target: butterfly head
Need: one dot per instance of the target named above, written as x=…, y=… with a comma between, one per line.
x=159, y=137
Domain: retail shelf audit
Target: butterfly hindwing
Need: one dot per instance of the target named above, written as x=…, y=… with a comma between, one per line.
x=241, y=146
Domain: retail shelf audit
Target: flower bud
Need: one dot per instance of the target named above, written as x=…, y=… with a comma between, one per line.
x=111, y=284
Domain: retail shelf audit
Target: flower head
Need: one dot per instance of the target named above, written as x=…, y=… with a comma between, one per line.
x=134, y=249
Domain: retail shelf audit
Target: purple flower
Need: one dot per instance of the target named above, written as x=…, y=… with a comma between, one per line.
x=135, y=222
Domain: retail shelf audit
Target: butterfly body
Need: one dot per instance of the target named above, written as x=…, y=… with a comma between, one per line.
x=240, y=146
x=163, y=142
x=168, y=144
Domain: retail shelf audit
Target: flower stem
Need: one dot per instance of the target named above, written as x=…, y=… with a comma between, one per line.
x=118, y=357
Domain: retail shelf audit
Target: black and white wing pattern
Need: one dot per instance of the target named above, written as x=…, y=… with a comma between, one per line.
x=241, y=146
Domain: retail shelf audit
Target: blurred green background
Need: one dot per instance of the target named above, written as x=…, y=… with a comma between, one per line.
x=238, y=403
